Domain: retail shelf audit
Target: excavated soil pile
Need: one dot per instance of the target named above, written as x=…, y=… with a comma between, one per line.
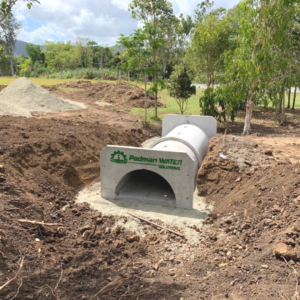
x=255, y=223
x=120, y=94
x=23, y=96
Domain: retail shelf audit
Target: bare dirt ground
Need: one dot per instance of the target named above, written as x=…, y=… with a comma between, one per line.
x=119, y=94
x=46, y=160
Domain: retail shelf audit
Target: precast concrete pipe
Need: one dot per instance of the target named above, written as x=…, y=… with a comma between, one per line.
x=166, y=172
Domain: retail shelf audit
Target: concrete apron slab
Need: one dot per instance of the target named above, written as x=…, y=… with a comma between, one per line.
x=171, y=216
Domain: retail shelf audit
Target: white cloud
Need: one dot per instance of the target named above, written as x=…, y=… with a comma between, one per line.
x=98, y=20
x=123, y=4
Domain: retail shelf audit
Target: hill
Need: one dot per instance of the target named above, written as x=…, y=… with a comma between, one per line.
x=20, y=48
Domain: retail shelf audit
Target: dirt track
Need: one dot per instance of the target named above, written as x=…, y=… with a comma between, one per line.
x=47, y=159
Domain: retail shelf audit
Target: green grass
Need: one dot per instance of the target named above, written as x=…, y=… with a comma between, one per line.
x=172, y=106
x=297, y=103
x=45, y=81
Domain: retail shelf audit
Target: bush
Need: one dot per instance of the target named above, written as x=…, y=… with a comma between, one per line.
x=209, y=104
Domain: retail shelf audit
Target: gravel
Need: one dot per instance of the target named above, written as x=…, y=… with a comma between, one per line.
x=13, y=110
x=23, y=96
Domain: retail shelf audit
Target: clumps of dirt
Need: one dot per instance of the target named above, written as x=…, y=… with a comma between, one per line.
x=120, y=94
x=226, y=160
x=254, y=225
x=43, y=164
x=23, y=96
x=81, y=84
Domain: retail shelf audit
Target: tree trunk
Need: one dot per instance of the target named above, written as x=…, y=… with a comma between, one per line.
x=61, y=75
x=146, y=104
x=281, y=112
x=249, y=109
x=155, y=105
x=12, y=66
x=289, y=97
x=294, y=100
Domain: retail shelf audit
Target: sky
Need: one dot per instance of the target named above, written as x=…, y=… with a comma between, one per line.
x=101, y=21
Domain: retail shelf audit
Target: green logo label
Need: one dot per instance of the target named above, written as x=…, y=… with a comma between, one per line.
x=118, y=157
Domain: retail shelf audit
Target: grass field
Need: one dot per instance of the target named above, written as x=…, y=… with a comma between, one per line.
x=45, y=81
x=172, y=107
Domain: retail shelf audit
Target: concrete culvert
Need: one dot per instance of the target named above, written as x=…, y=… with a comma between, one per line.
x=166, y=172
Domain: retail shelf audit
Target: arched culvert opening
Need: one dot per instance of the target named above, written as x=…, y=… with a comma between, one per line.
x=145, y=186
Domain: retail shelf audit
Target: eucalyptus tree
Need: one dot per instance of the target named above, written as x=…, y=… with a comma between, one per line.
x=84, y=51
x=203, y=8
x=152, y=14
x=260, y=61
x=209, y=40
x=296, y=53
x=9, y=31
x=136, y=57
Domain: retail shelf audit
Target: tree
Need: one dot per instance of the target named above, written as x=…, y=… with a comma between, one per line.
x=34, y=52
x=7, y=5
x=9, y=31
x=260, y=61
x=180, y=87
x=136, y=57
x=202, y=10
x=152, y=13
x=84, y=52
x=60, y=56
x=209, y=41
x=295, y=63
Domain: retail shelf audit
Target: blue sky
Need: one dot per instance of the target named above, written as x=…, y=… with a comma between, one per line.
x=99, y=20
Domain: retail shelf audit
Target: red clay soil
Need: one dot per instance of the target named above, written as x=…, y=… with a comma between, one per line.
x=120, y=94
x=46, y=160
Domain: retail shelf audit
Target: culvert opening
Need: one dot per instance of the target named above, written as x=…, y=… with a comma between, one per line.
x=145, y=186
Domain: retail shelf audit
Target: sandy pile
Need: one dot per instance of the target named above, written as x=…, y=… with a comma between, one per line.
x=23, y=96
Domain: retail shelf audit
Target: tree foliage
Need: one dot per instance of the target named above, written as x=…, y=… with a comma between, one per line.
x=34, y=52
x=7, y=5
x=180, y=86
x=259, y=63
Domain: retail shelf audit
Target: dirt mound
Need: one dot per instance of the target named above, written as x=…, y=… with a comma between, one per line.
x=256, y=199
x=43, y=163
x=81, y=84
x=240, y=155
x=31, y=97
x=120, y=94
